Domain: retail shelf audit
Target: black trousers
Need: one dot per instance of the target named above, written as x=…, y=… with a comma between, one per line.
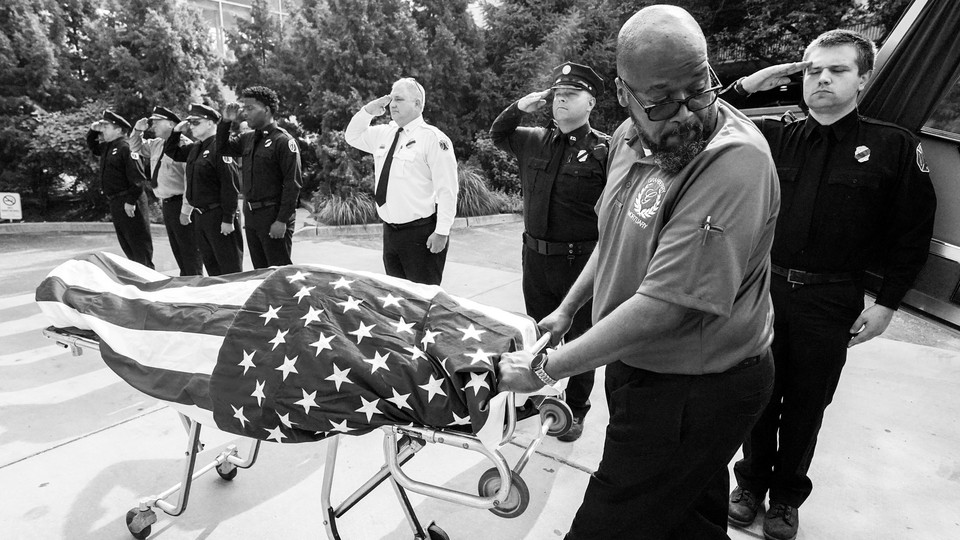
x=811, y=331
x=405, y=253
x=133, y=232
x=221, y=254
x=663, y=474
x=546, y=281
x=183, y=238
x=266, y=251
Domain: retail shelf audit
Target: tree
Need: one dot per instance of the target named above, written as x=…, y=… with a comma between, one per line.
x=28, y=62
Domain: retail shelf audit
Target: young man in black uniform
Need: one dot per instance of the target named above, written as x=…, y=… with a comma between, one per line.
x=856, y=194
x=121, y=181
x=270, y=179
x=212, y=189
x=562, y=176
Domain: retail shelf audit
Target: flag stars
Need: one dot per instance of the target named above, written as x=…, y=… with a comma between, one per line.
x=415, y=353
x=362, y=332
x=350, y=303
x=281, y=337
x=470, y=332
x=428, y=336
x=304, y=292
x=340, y=426
x=299, y=276
x=323, y=343
x=285, y=420
x=258, y=393
x=390, y=300
x=313, y=315
x=238, y=414
x=270, y=313
x=460, y=420
x=379, y=361
x=309, y=400
x=247, y=361
x=433, y=387
x=275, y=434
x=404, y=326
x=342, y=282
x=339, y=376
x=400, y=400
x=477, y=381
x=479, y=357
x=288, y=366
x=369, y=408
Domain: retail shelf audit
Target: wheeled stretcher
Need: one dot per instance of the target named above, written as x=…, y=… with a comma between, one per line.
x=501, y=489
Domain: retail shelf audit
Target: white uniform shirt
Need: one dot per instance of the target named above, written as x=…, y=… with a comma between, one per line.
x=172, y=178
x=423, y=175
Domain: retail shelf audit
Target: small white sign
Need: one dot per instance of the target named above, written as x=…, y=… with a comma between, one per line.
x=10, y=206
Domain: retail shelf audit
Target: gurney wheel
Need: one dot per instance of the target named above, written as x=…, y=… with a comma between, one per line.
x=517, y=499
x=227, y=474
x=436, y=533
x=559, y=412
x=135, y=520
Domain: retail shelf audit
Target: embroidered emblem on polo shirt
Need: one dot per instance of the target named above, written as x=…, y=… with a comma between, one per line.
x=648, y=202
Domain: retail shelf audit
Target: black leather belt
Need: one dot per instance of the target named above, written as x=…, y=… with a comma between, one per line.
x=206, y=208
x=415, y=223
x=570, y=249
x=799, y=277
x=256, y=205
x=170, y=198
x=749, y=362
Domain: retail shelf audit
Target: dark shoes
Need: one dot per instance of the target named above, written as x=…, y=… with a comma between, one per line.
x=743, y=506
x=575, y=431
x=781, y=522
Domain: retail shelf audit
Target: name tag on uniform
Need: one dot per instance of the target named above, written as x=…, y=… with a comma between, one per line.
x=410, y=143
x=862, y=154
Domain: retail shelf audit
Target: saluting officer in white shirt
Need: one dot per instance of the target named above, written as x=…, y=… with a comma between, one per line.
x=415, y=175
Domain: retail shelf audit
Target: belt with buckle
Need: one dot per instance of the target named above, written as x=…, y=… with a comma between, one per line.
x=207, y=208
x=417, y=222
x=800, y=277
x=256, y=205
x=570, y=249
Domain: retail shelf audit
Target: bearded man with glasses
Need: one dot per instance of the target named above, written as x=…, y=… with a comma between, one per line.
x=680, y=286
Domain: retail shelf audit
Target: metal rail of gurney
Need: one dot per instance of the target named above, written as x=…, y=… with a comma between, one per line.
x=140, y=518
x=501, y=489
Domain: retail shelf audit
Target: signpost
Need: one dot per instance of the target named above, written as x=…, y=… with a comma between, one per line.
x=10, y=206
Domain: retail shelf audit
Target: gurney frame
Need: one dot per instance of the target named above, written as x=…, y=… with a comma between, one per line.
x=500, y=489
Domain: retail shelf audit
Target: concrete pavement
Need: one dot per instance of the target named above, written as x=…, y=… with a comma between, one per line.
x=78, y=447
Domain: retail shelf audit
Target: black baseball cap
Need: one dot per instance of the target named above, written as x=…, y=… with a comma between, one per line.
x=578, y=77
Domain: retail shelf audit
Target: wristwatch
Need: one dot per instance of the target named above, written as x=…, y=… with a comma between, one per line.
x=738, y=87
x=539, y=367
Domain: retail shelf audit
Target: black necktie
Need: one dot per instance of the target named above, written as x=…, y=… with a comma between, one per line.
x=796, y=229
x=156, y=173
x=381, y=194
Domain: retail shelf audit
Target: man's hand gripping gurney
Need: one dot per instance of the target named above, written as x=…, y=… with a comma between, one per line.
x=300, y=353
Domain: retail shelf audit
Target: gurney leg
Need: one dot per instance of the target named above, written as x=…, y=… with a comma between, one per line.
x=408, y=510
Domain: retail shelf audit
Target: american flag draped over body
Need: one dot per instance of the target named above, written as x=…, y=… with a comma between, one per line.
x=290, y=354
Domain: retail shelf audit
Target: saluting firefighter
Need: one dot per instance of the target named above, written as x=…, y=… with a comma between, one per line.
x=213, y=187
x=168, y=181
x=562, y=176
x=270, y=175
x=121, y=182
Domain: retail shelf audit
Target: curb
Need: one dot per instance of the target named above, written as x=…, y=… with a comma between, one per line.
x=318, y=231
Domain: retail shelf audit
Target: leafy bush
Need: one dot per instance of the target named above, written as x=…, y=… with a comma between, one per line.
x=498, y=168
x=355, y=209
x=475, y=198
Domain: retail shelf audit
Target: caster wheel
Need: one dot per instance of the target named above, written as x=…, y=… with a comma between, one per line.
x=559, y=412
x=227, y=473
x=436, y=533
x=517, y=499
x=138, y=523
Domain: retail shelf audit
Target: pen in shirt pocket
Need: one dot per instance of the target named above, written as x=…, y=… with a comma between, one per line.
x=707, y=227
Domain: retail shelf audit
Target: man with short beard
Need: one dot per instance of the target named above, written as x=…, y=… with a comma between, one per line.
x=679, y=280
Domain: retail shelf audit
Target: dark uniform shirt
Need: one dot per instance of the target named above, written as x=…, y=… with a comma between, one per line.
x=873, y=203
x=211, y=179
x=561, y=175
x=270, y=166
x=121, y=171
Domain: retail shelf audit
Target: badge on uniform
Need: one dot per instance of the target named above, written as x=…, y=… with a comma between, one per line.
x=135, y=156
x=862, y=154
x=268, y=143
x=205, y=153
x=227, y=159
x=410, y=143
x=582, y=156
x=292, y=145
x=444, y=145
x=114, y=152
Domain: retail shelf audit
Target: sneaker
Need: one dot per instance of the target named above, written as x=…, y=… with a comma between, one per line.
x=575, y=431
x=743, y=507
x=781, y=522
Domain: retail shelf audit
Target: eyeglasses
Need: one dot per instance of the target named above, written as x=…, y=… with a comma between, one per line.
x=667, y=109
x=194, y=122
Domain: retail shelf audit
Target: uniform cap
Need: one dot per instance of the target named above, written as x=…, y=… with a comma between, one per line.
x=199, y=111
x=116, y=119
x=578, y=77
x=163, y=113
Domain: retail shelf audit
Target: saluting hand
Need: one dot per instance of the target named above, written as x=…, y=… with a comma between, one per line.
x=96, y=126
x=534, y=100
x=130, y=209
x=771, y=77
x=142, y=124
x=181, y=127
x=378, y=106
x=231, y=112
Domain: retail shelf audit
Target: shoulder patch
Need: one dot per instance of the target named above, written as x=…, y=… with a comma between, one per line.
x=134, y=156
x=921, y=161
x=227, y=159
x=444, y=145
x=292, y=145
x=600, y=152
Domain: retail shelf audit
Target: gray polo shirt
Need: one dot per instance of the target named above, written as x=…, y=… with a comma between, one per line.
x=700, y=239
